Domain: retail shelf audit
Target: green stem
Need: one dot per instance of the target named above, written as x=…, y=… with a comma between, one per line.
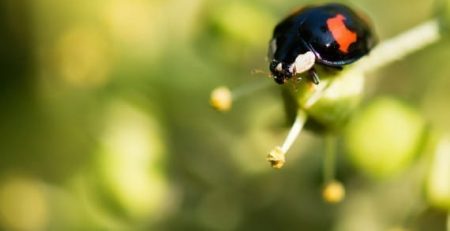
x=277, y=157
x=400, y=46
x=249, y=88
x=330, y=158
x=296, y=128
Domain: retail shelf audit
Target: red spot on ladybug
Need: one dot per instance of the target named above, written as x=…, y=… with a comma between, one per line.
x=343, y=36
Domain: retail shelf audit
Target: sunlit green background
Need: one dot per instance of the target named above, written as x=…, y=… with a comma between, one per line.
x=105, y=122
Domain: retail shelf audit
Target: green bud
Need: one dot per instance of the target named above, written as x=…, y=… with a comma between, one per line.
x=384, y=137
x=330, y=103
x=128, y=167
x=438, y=180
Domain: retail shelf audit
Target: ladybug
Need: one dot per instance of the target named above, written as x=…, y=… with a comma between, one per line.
x=330, y=35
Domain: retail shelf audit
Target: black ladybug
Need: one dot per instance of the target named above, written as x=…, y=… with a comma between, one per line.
x=331, y=35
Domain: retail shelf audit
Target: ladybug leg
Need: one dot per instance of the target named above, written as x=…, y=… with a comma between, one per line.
x=314, y=76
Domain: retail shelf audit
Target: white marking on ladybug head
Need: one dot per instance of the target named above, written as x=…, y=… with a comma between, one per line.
x=303, y=62
x=279, y=67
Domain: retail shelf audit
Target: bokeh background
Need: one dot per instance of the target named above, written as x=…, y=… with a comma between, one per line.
x=105, y=122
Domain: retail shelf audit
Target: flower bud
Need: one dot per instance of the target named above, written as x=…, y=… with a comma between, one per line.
x=438, y=180
x=221, y=99
x=383, y=138
x=333, y=192
x=331, y=102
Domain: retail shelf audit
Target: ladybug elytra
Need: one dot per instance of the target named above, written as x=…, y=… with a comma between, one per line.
x=330, y=35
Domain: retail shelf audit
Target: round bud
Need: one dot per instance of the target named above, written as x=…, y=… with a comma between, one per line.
x=384, y=137
x=438, y=179
x=333, y=192
x=331, y=102
x=221, y=99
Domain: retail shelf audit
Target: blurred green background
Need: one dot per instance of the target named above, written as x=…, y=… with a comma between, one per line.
x=105, y=122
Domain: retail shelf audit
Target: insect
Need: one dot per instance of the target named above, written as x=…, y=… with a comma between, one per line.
x=330, y=35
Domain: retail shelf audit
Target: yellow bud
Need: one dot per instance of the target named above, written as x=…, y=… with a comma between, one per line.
x=276, y=158
x=221, y=99
x=333, y=192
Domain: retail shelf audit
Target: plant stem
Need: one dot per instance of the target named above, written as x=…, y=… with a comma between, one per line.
x=249, y=88
x=330, y=158
x=400, y=46
x=277, y=157
x=296, y=128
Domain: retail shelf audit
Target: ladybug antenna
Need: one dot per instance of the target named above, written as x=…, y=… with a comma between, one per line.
x=259, y=71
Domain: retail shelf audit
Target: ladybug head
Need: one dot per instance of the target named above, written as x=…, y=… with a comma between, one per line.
x=283, y=71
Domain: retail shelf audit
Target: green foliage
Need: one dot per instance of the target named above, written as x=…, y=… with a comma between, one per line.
x=105, y=122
